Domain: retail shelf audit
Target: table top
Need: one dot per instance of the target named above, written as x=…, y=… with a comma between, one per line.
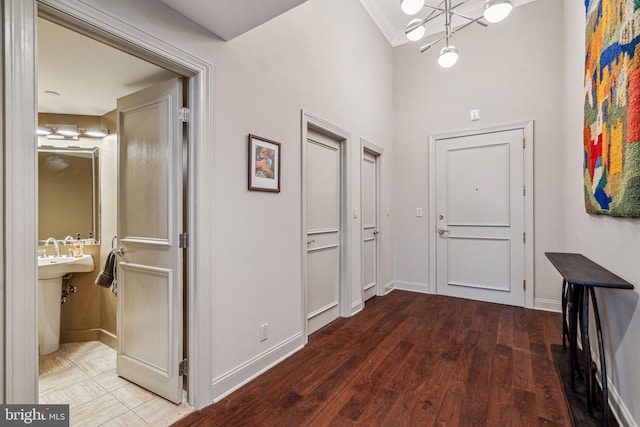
x=577, y=269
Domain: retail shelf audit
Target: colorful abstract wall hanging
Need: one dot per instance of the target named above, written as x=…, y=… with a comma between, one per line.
x=612, y=108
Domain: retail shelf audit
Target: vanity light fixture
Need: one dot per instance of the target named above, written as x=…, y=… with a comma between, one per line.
x=494, y=11
x=68, y=130
x=58, y=136
x=43, y=130
x=96, y=132
x=55, y=131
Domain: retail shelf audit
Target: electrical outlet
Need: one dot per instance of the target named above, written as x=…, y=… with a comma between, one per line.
x=263, y=332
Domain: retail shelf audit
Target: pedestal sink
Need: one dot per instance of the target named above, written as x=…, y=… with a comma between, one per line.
x=50, y=272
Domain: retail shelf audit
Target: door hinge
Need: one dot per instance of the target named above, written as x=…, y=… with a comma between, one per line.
x=524, y=190
x=524, y=237
x=184, y=240
x=524, y=143
x=183, y=368
x=183, y=114
x=524, y=284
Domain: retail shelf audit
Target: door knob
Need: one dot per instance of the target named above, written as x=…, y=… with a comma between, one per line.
x=310, y=242
x=442, y=230
x=375, y=232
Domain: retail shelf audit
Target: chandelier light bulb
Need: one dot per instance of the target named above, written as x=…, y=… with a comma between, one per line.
x=448, y=56
x=494, y=11
x=497, y=10
x=417, y=33
x=411, y=7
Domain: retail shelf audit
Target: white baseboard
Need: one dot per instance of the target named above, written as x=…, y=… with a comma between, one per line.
x=356, y=307
x=617, y=405
x=547, y=305
x=412, y=286
x=619, y=409
x=388, y=287
x=242, y=374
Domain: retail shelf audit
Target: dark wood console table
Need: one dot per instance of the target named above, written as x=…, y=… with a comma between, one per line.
x=579, y=276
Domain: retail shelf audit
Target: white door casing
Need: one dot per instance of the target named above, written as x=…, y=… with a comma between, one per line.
x=150, y=221
x=324, y=228
x=309, y=123
x=369, y=224
x=480, y=215
x=20, y=365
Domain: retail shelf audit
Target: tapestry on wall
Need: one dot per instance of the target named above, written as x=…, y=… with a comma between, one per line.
x=612, y=108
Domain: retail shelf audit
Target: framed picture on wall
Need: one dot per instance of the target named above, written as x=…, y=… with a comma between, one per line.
x=264, y=164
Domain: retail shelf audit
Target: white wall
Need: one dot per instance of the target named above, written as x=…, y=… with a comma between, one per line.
x=612, y=242
x=511, y=72
x=300, y=60
x=542, y=78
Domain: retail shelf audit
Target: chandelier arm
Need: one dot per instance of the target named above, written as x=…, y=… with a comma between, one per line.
x=439, y=7
x=475, y=21
x=434, y=10
x=424, y=21
x=429, y=19
x=472, y=20
x=427, y=46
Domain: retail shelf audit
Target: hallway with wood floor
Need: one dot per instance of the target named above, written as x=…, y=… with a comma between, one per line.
x=411, y=359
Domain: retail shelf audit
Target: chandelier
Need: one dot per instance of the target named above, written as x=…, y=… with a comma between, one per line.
x=494, y=11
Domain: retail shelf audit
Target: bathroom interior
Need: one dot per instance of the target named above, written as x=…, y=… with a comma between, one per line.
x=78, y=176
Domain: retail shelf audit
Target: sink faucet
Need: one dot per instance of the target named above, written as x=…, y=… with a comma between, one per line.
x=68, y=239
x=55, y=244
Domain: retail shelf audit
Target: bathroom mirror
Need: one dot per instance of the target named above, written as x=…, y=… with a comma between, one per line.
x=68, y=192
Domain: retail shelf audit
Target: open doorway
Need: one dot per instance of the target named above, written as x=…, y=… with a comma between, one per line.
x=81, y=96
x=20, y=359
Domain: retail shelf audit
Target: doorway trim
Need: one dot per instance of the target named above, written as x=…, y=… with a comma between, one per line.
x=527, y=128
x=19, y=28
x=376, y=151
x=311, y=121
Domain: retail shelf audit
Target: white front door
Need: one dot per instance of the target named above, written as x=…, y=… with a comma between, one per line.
x=369, y=225
x=324, y=212
x=150, y=220
x=480, y=217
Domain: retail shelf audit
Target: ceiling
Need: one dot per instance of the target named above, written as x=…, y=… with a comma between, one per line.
x=230, y=18
x=89, y=76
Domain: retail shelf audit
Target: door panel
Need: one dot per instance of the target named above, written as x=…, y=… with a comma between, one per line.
x=147, y=169
x=480, y=217
x=324, y=183
x=150, y=220
x=468, y=257
x=483, y=198
x=369, y=225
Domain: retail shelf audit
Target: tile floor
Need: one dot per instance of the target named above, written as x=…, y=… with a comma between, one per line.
x=83, y=375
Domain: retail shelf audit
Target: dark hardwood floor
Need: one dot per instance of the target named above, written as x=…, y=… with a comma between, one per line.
x=411, y=359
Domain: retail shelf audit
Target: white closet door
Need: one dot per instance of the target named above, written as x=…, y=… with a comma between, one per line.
x=324, y=183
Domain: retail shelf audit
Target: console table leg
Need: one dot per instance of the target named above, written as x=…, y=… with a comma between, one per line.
x=586, y=349
x=564, y=314
x=572, y=295
x=603, y=364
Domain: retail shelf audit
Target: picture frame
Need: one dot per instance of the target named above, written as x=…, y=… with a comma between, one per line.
x=264, y=164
